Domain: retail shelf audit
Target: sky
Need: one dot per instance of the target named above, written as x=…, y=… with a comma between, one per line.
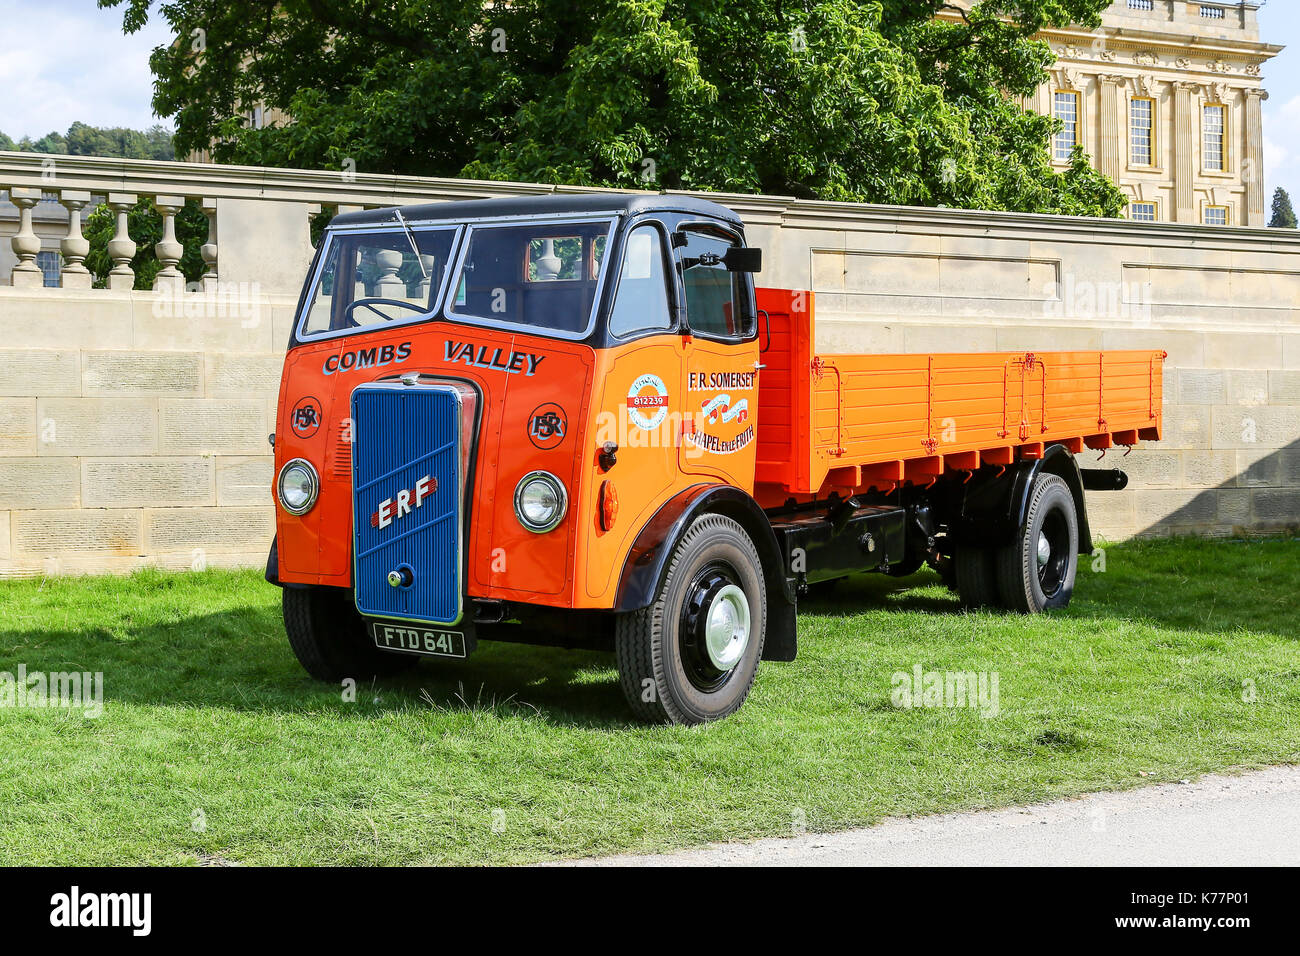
x=66, y=60
x=1279, y=22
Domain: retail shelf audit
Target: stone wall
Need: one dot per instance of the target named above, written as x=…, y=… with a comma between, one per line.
x=132, y=436
x=133, y=425
x=1225, y=305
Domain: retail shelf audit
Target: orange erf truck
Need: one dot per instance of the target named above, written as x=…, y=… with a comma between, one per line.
x=574, y=420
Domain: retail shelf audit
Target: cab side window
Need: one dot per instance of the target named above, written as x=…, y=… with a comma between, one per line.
x=641, y=302
x=715, y=297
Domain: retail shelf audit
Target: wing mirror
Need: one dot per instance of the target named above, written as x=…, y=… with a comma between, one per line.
x=743, y=259
x=735, y=259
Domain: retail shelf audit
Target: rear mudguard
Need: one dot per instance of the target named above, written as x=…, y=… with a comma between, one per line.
x=995, y=506
x=647, y=562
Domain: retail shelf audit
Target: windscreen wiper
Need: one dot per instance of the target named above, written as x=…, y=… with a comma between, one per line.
x=410, y=237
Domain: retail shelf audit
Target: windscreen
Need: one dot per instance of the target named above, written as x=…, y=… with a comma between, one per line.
x=372, y=279
x=539, y=275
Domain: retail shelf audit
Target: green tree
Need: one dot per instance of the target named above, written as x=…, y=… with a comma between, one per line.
x=1283, y=214
x=85, y=140
x=52, y=142
x=832, y=99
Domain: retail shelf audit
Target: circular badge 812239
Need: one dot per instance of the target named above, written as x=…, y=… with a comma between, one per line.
x=647, y=401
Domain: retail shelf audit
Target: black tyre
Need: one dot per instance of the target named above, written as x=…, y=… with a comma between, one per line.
x=693, y=654
x=975, y=573
x=329, y=637
x=1037, y=571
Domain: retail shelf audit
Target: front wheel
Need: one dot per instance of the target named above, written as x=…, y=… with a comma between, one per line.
x=329, y=637
x=693, y=654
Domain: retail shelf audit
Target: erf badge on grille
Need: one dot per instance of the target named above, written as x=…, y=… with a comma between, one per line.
x=403, y=502
x=547, y=425
x=306, y=417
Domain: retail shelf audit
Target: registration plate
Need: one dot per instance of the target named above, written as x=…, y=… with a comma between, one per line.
x=419, y=639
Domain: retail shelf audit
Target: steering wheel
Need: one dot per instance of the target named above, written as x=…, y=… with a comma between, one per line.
x=371, y=303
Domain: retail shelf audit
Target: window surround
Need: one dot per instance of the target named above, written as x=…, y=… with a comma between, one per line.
x=1155, y=209
x=1154, y=165
x=1078, y=122
x=1205, y=211
x=1226, y=171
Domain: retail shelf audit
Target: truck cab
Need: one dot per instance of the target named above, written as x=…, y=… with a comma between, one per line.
x=483, y=405
x=574, y=420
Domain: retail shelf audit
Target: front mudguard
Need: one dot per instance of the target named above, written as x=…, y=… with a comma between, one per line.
x=647, y=561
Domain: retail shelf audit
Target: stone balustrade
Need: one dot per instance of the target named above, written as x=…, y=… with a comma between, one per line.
x=133, y=423
x=281, y=201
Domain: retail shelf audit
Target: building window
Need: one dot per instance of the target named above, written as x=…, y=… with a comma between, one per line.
x=1215, y=216
x=1212, y=13
x=1142, y=211
x=51, y=264
x=1212, y=130
x=1141, y=125
x=1141, y=5
x=1065, y=107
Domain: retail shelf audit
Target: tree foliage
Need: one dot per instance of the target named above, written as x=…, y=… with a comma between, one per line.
x=85, y=140
x=1283, y=214
x=829, y=99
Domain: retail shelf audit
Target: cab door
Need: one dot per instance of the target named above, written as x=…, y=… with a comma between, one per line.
x=720, y=361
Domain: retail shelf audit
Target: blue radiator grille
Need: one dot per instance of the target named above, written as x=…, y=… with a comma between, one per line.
x=406, y=500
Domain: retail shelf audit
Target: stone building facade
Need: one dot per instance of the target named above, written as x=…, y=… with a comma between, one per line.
x=1166, y=98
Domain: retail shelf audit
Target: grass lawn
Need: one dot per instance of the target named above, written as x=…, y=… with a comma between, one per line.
x=1181, y=658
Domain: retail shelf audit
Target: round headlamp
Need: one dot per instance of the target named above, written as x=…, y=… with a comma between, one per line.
x=540, y=501
x=297, y=486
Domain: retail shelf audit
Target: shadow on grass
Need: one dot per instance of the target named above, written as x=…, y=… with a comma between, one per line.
x=1204, y=585
x=239, y=659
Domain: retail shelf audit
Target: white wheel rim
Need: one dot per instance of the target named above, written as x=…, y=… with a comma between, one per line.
x=1044, y=550
x=726, y=629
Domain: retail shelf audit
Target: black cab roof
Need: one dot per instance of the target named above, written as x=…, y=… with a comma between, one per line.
x=548, y=205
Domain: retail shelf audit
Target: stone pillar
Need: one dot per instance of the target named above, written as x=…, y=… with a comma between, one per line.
x=274, y=243
x=74, y=246
x=121, y=248
x=168, y=249
x=26, y=243
x=209, y=248
x=1186, y=125
x=1110, y=141
x=1252, y=167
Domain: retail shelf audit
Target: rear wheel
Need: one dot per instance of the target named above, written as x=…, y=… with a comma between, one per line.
x=1036, y=572
x=976, y=576
x=693, y=654
x=329, y=637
